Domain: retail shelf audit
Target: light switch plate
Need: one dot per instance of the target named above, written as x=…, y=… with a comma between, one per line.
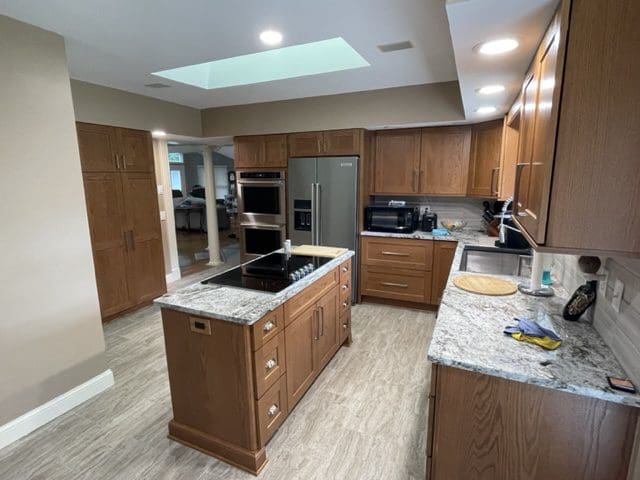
x=602, y=284
x=160, y=189
x=163, y=215
x=618, y=291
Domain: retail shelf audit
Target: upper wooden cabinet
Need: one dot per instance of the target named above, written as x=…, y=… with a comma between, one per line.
x=484, y=163
x=331, y=142
x=578, y=185
x=509, y=154
x=260, y=151
x=397, y=161
x=444, y=160
x=136, y=150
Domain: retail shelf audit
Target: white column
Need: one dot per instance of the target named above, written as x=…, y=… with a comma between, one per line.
x=212, y=212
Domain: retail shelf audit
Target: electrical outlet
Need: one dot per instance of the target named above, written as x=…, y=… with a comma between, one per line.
x=163, y=215
x=618, y=291
x=160, y=189
x=602, y=284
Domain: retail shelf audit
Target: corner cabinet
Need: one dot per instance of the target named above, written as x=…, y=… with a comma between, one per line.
x=578, y=177
x=484, y=163
x=260, y=151
x=233, y=385
x=124, y=217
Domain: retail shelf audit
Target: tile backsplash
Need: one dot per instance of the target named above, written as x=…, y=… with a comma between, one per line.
x=620, y=330
x=452, y=208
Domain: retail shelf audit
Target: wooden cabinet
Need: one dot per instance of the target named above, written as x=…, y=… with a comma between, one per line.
x=330, y=142
x=99, y=151
x=443, y=253
x=484, y=163
x=507, y=429
x=260, y=151
x=233, y=385
x=124, y=218
x=579, y=180
x=405, y=270
x=509, y=153
x=397, y=161
x=444, y=160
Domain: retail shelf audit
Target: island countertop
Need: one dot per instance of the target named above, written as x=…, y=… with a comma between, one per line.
x=469, y=335
x=239, y=305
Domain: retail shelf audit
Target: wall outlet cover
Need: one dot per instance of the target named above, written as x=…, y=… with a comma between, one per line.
x=163, y=215
x=160, y=189
x=618, y=291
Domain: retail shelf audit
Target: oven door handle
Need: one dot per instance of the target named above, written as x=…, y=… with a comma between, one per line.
x=270, y=183
x=261, y=226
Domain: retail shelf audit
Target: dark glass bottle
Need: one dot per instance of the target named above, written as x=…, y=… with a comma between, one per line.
x=580, y=301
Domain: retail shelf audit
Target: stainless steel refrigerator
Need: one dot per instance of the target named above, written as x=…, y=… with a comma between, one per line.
x=322, y=203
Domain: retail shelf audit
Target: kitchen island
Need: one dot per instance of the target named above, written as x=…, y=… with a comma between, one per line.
x=240, y=359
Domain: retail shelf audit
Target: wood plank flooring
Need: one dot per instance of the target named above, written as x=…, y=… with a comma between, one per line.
x=364, y=418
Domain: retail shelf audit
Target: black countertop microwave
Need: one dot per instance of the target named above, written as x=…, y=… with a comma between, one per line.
x=391, y=219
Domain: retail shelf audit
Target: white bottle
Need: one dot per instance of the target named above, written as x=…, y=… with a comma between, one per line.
x=287, y=246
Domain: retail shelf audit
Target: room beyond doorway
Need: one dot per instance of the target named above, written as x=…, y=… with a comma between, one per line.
x=189, y=188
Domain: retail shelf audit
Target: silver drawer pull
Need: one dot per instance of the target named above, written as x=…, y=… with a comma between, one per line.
x=391, y=284
x=345, y=325
x=345, y=286
x=345, y=269
x=270, y=364
x=396, y=254
x=345, y=304
x=273, y=409
x=268, y=326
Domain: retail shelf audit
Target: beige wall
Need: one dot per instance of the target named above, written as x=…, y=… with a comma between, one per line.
x=50, y=330
x=419, y=104
x=109, y=106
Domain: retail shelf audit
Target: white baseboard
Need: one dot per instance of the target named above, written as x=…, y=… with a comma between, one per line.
x=39, y=416
x=174, y=275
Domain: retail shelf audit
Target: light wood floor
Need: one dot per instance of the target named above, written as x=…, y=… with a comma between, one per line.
x=363, y=419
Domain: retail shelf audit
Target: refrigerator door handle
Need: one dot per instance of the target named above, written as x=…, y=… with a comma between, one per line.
x=318, y=213
x=313, y=214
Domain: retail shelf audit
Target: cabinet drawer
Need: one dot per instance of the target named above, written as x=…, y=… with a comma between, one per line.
x=267, y=327
x=395, y=284
x=398, y=253
x=345, y=325
x=345, y=271
x=345, y=301
x=271, y=410
x=269, y=364
x=309, y=295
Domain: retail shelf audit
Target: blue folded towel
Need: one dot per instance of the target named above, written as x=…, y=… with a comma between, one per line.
x=531, y=328
x=440, y=232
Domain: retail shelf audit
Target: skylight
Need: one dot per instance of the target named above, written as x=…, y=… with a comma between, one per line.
x=325, y=56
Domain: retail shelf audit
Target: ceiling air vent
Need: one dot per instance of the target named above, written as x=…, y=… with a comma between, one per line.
x=157, y=85
x=394, y=47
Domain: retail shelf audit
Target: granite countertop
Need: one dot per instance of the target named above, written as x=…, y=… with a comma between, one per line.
x=469, y=335
x=239, y=305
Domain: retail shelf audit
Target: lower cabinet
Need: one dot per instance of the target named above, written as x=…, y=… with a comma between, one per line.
x=481, y=426
x=233, y=385
x=406, y=270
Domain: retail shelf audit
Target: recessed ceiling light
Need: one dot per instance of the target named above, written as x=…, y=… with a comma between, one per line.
x=158, y=133
x=490, y=89
x=271, y=37
x=486, y=110
x=496, y=47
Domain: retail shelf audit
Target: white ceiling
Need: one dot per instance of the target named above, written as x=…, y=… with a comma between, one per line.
x=475, y=21
x=119, y=42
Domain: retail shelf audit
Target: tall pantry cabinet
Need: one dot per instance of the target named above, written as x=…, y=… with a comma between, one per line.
x=122, y=205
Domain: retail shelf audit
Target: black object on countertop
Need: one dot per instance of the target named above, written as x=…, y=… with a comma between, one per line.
x=270, y=273
x=582, y=299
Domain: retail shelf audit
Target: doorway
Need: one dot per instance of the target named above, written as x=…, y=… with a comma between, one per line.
x=188, y=181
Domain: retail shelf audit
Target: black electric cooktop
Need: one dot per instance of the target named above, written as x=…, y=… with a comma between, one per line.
x=271, y=273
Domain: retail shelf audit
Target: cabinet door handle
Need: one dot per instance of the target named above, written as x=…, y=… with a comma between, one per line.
x=124, y=162
x=391, y=284
x=116, y=161
x=345, y=269
x=316, y=317
x=321, y=311
x=516, y=192
x=273, y=409
x=345, y=304
x=415, y=180
x=267, y=327
x=493, y=177
x=133, y=240
x=270, y=363
x=345, y=286
x=395, y=254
